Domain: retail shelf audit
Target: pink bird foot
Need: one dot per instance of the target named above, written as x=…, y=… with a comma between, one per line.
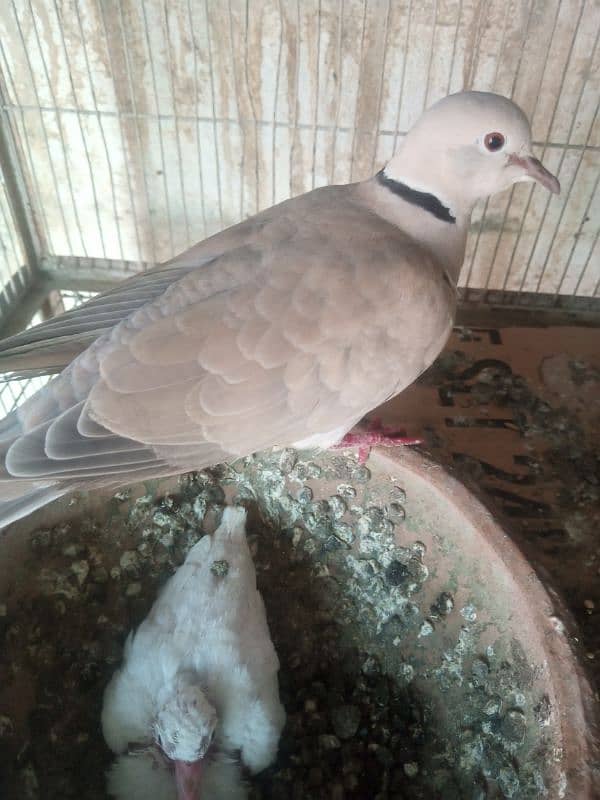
x=375, y=434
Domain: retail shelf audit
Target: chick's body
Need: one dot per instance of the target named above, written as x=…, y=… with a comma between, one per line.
x=208, y=625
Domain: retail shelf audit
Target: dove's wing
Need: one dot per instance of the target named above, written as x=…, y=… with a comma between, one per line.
x=303, y=338
x=325, y=313
x=48, y=347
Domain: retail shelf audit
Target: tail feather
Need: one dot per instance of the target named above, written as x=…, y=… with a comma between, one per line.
x=19, y=499
x=10, y=428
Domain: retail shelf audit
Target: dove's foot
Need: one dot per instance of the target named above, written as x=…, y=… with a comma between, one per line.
x=375, y=434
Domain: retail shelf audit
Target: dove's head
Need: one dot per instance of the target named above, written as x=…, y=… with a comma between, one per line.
x=184, y=729
x=466, y=147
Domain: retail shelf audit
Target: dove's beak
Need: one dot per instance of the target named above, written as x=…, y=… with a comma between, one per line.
x=187, y=779
x=534, y=170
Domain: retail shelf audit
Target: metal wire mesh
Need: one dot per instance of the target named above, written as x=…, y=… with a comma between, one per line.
x=143, y=126
x=13, y=393
x=66, y=299
x=12, y=256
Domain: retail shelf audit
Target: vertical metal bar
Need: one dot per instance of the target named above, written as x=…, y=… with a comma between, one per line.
x=160, y=130
x=23, y=188
x=121, y=131
x=360, y=62
x=403, y=76
x=512, y=191
x=482, y=10
x=573, y=182
x=136, y=122
x=240, y=122
x=452, y=59
x=10, y=260
x=33, y=203
x=338, y=101
x=316, y=112
x=295, y=113
x=13, y=188
x=576, y=239
x=597, y=286
x=214, y=110
x=487, y=202
x=83, y=137
x=275, y=105
x=177, y=135
x=380, y=88
x=558, y=96
x=100, y=125
x=45, y=132
x=60, y=128
x=198, y=137
x=19, y=252
x=431, y=44
x=253, y=110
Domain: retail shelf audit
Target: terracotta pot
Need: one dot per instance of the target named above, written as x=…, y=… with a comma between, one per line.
x=521, y=606
x=479, y=637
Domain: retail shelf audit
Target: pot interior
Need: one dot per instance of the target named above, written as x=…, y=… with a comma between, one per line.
x=413, y=660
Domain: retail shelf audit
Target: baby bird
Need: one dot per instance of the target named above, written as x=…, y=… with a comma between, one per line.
x=197, y=695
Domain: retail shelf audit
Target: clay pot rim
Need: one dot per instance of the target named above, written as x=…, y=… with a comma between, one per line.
x=579, y=717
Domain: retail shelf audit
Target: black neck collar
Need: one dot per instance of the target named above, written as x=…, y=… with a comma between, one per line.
x=428, y=202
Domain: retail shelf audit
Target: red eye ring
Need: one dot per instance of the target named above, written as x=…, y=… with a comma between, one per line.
x=494, y=141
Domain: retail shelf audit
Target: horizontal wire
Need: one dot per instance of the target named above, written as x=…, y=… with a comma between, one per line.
x=267, y=123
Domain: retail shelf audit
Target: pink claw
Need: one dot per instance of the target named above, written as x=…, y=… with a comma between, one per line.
x=376, y=434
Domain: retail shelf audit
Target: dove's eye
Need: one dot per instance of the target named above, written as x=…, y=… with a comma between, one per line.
x=494, y=141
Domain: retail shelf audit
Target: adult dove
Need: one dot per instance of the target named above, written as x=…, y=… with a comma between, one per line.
x=283, y=330
x=197, y=695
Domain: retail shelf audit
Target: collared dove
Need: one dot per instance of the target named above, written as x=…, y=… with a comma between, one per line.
x=198, y=685
x=284, y=330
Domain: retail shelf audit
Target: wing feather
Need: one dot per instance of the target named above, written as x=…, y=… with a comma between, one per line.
x=286, y=333
x=27, y=458
x=63, y=439
x=51, y=345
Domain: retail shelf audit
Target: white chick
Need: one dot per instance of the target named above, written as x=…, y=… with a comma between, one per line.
x=197, y=695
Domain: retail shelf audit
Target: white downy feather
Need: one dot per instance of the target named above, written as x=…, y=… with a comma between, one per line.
x=211, y=629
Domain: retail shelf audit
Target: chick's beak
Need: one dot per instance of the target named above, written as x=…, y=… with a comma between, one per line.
x=534, y=170
x=187, y=779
